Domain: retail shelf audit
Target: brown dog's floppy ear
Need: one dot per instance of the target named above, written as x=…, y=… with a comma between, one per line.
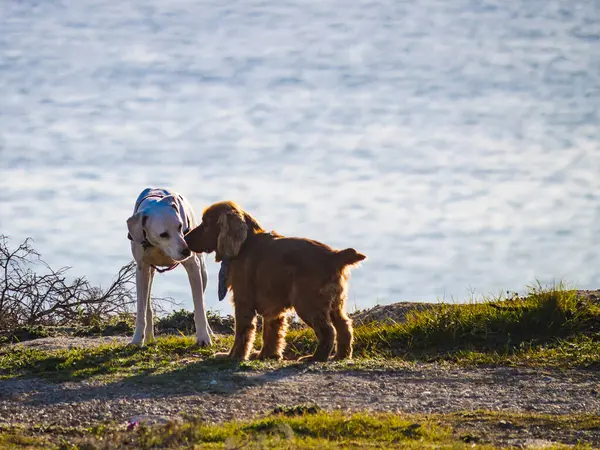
x=232, y=234
x=135, y=224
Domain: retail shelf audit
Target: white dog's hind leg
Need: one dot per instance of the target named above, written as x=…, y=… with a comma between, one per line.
x=203, y=271
x=149, y=330
x=204, y=274
x=193, y=268
x=143, y=278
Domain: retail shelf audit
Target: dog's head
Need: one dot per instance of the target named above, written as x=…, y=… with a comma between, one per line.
x=161, y=224
x=224, y=228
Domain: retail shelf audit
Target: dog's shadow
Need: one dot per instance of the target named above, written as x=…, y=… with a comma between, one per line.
x=105, y=375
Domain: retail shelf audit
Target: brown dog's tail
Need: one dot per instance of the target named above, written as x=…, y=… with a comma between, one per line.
x=348, y=257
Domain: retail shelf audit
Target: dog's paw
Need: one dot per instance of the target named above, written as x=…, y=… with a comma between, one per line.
x=230, y=356
x=203, y=338
x=135, y=343
x=263, y=357
x=204, y=342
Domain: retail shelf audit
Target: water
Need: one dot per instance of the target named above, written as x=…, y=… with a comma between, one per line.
x=457, y=144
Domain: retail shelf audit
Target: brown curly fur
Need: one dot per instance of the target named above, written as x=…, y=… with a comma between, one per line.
x=270, y=274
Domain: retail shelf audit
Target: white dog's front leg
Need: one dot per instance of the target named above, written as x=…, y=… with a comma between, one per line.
x=143, y=278
x=149, y=329
x=193, y=268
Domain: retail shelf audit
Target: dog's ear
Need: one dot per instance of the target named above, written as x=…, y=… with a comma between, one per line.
x=232, y=234
x=252, y=224
x=135, y=225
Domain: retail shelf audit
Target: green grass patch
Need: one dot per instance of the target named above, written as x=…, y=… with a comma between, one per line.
x=577, y=351
x=13, y=439
x=545, y=319
x=329, y=430
x=547, y=327
x=111, y=359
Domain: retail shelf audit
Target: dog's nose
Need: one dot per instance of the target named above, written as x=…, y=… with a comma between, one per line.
x=185, y=253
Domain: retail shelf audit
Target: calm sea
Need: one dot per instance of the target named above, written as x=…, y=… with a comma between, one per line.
x=457, y=144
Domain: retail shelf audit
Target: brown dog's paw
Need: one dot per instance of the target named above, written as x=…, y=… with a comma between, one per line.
x=233, y=357
x=342, y=357
x=275, y=357
x=253, y=354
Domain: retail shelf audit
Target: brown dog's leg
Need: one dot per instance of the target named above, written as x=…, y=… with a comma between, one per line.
x=245, y=326
x=274, y=329
x=324, y=330
x=325, y=333
x=343, y=328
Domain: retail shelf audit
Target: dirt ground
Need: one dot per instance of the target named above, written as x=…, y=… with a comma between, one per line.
x=225, y=395
x=220, y=395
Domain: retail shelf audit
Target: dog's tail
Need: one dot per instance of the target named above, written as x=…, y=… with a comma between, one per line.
x=348, y=257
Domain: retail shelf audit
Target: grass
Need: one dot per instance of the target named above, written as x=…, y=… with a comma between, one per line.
x=321, y=430
x=314, y=429
x=551, y=325
x=547, y=327
x=304, y=427
x=176, y=323
x=108, y=359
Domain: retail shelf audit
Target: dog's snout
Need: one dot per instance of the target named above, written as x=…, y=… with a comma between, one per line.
x=194, y=240
x=186, y=253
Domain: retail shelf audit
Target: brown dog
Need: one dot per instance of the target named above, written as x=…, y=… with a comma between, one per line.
x=270, y=274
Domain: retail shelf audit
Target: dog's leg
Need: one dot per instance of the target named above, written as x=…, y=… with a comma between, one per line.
x=204, y=275
x=149, y=330
x=203, y=271
x=325, y=333
x=274, y=329
x=143, y=277
x=193, y=268
x=323, y=328
x=343, y=328
x=245, y=327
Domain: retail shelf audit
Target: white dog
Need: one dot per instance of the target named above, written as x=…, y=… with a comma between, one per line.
x=160, y=220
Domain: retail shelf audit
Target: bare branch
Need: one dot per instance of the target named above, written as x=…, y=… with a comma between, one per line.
x=30, y=298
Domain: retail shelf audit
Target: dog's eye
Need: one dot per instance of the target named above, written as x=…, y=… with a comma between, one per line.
x=164, y=235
